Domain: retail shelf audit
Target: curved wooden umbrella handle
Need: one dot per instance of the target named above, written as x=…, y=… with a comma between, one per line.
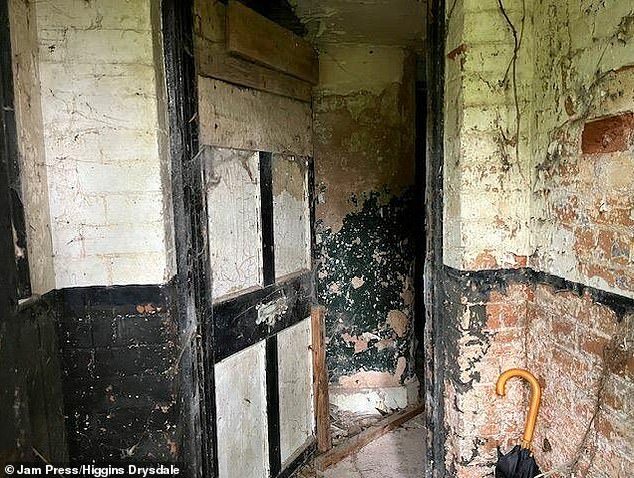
x=536, y=397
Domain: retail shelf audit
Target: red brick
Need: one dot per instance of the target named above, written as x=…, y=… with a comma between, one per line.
x=613, y=210
x=603, y=319
x=621, y=247
x=567, y=212
x=564, y=331
x=585, y=241
x=614, y=396
x=459, y=50
x=607, y=135
x=595, y=270
x=484, y=261
x=592, y=344
x=605, y=239
x=504, y=315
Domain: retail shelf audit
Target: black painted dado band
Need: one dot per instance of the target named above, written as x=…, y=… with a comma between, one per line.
x=500, y=278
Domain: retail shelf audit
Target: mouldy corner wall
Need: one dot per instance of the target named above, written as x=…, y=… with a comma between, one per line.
x=563, y=207
x=364, y=156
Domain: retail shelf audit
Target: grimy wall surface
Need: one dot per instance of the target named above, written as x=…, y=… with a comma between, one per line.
x=87, y=82
x=538, y=245
x=364, y=151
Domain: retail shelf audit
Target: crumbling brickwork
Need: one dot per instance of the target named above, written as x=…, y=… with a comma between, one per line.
x=581, y=352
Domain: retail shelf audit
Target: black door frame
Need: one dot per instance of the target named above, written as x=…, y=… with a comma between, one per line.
x=434, y=295
x=209, y=333
x=196, y=330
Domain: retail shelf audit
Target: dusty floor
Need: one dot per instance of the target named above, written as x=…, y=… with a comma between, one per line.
x=398, y=454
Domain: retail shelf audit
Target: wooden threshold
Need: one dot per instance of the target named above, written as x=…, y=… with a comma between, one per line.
x=355, y=443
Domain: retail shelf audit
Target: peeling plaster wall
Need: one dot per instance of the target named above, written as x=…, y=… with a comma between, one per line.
x=486, y=171
x=583, y=198
x=364, y=152
x=486, y=319
x=99, y=75
x=558, y=201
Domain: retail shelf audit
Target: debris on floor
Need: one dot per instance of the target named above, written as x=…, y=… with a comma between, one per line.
x=397, y=454
x=345, y=424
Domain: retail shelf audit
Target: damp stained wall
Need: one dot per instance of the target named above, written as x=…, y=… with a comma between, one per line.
x=364, y=153
x=553, y=195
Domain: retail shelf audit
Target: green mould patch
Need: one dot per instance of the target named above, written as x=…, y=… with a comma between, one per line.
x=365, y=280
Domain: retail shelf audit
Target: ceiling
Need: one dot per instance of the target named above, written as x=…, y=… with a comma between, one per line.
x=373, y=22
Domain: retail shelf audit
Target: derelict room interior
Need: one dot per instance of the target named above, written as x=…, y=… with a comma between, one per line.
x=316, y=238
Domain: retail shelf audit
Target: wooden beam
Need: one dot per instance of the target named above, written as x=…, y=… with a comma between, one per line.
x=320, y=380
x=357, y=442
x=258, y=39
x=213, y=61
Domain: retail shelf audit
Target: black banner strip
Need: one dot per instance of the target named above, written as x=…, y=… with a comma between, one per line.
x=247, y=319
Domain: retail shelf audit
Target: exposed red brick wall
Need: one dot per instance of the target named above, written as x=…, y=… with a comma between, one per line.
x=608, y=135
x=584, y=357
x=580, y=351
x=489, y=338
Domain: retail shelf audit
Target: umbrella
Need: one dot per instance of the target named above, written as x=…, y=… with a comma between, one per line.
x=519, y=462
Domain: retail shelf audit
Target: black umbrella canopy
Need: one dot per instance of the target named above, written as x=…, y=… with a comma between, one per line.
x=518, y=463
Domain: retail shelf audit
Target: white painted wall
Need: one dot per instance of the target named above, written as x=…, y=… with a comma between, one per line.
x=235, y=232
x=295, y=368
x=291, y=215
x=242, y=420
x=102, y=165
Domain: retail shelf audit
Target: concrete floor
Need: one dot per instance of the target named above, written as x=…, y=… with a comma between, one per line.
x=398, y=454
